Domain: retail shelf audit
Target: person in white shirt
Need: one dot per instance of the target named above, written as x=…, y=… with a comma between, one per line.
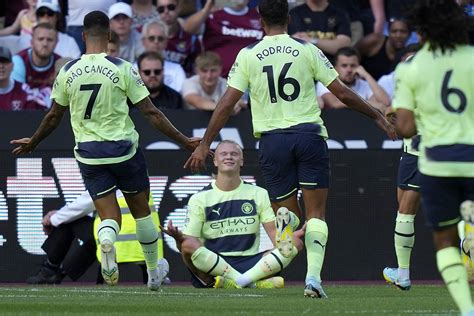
x=155, y=39
x=347, y=64
x=203, y=90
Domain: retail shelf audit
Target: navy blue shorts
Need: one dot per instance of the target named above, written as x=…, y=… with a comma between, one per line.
x=130, y=176
x=408, y=175
x=240, y=263
x=441, y=198
x=293, y=158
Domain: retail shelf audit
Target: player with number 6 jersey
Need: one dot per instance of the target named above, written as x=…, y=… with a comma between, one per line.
x=279, y=72
x=434, y=94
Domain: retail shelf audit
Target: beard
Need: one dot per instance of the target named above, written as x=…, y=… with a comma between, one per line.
x=155, y=89
x=348, y=82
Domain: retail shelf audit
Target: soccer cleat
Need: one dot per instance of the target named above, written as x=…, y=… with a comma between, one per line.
x=46, y=275
x=467, y=244
x=467, y=213
x=391, y=276
x=109, y=267
x=284, y=232
x=157, y=277
x=271, y=283
x=467, y=261
x=314, y=289
x=224, y=283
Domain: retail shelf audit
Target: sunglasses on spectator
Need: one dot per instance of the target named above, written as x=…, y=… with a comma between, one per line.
x=169, y=7
x=153, y=38
x=45, y=12
x=148, y=72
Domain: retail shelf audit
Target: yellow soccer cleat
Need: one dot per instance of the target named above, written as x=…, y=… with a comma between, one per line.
x=224, y=283
x=271, y=283
x=467, y=261
x=284, y=232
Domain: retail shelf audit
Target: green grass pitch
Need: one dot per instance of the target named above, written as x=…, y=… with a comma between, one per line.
x=185, y=300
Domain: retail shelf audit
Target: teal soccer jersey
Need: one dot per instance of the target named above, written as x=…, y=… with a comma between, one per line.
x=439, y=89
x=279, y=72
x=96, y=88
x=228, y=222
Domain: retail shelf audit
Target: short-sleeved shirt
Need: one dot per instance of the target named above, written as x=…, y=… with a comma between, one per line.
x=279, y=72
x=228, y=222
x=438, y=88
x=96, y=88
x=227, y=31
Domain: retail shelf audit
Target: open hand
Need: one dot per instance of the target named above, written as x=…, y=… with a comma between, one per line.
x=197, y=159
x=382, y=122
x=25, y=146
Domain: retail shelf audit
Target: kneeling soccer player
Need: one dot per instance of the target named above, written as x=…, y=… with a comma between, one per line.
x=221, y=237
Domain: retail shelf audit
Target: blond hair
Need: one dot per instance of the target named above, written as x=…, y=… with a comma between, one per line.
x=208, y=59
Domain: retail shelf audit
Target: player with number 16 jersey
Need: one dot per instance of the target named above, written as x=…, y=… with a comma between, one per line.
x=283, y=71
x=279, y=72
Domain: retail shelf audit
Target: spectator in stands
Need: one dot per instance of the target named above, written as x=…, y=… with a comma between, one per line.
x=322, y=24
x=35, y=66
x=12, y=96
x=347, y=64
x=226, y=31
x=77, y=10
x=352, y=9
x=24, y=22
x=381, y=53
x=182, y=47
x=387, y=82
x=120, y=15
x=143, y=12
x=113, y=46
x=48, y=11
x=154, y=39
x=150, y=66
x=204, y=90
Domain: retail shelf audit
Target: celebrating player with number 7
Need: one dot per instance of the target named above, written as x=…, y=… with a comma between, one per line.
x=279, y=72
x=95, y=87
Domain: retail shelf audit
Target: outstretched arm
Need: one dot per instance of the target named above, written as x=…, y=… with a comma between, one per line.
x=220, y=116
x=355, y=102
x=161, y=123
x=48, y=124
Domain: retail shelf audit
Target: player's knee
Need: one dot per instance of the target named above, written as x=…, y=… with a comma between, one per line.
x=446, y=238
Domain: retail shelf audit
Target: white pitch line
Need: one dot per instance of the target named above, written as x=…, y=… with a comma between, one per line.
x=109, y=291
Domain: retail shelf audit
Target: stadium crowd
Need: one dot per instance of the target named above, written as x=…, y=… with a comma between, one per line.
x=184, y=49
